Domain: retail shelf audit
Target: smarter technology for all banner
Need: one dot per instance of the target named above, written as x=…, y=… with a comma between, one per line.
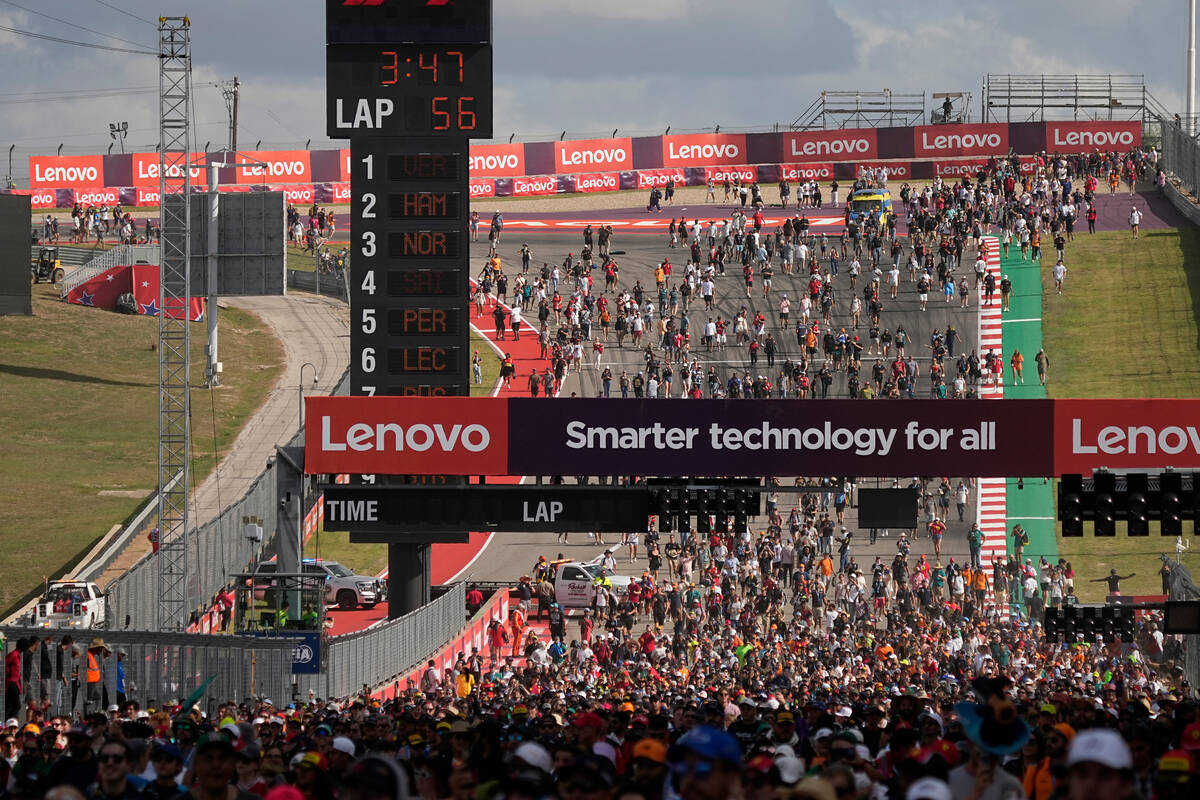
x=520, y=436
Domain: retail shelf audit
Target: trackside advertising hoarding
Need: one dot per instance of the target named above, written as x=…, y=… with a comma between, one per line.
x=490, y=436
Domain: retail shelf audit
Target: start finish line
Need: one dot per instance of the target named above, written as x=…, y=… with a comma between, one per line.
x=527, y=436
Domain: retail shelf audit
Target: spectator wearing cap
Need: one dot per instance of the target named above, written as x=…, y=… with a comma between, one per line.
x=705, y=764
x=1040, y=784
x=77, y=766
x=1099, y=766
x=341, y=756
x=649, y=766
x=783, y=729
x=1174, y=778
x=249, y=756
x=167, y=761
x=312, y=776
x=982, y=778
x=747, y=728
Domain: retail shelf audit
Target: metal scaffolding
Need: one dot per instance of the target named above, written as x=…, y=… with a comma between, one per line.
x=174, y=384
x=858, y=109
x=1036, y=98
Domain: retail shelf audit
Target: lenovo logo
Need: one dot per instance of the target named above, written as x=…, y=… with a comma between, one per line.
x=543, y=185
x=960, y=141
x=1092, y=138
x=604, y=156
x=44, y=198
x=490, y=163
x=483, y=189
x=830, y=147
x=593, y=182
x=151, y=170
x=101, y=196
x=65, y=175
x=384, y=437
x=703, y=152
x=1136, y=439
x=815, y=172
x=294, y=169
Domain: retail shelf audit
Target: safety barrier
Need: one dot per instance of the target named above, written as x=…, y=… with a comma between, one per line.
x=160, y=669
x=217, y=549
x=379, y=654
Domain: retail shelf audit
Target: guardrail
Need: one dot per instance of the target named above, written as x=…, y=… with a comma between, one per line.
x=378, y=655
x=336, y=286
x=164, y=668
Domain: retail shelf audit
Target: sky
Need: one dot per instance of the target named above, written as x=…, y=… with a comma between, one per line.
x=583, y=67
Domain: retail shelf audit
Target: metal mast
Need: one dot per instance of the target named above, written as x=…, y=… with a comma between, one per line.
x=174, y=407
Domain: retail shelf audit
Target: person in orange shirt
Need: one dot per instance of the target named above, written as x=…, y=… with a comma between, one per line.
x=979, y=582
x=825, y=566
x=1017, y=362
x=1039, y=780
x=516, y=623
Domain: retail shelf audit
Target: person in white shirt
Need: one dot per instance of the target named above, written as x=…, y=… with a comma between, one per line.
x=1135, y=219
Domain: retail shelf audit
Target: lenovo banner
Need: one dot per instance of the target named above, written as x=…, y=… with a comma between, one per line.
x=38, y=198
x=593, y=154
x=341, y=192
x=649, y=178
x=598, y=182
x=146, y=169
x=482, y=187
x=1087, y=137
x=703, y=149
x=897, y=170
x=743, y=173
x=99, y=196
x=497, y=160
x=959, y=167
x=839, y=145
x=939, y=141
x=263, y=166
x=472, y=436
x=805, y=172
x=75, y=172
x=527, y=187
x=297, y=193
x=1126, y=435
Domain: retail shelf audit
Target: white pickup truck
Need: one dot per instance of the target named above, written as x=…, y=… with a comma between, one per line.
x=573, y=583
x=70, y=604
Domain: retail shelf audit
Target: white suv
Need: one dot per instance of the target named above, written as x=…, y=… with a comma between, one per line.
x=343, y=587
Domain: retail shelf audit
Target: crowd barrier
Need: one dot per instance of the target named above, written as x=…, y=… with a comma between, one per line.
x=163, y=669
x=594, y=165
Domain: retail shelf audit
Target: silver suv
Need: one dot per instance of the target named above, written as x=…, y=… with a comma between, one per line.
x=343, y=587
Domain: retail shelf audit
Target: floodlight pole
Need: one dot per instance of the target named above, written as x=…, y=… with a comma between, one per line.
x=1190, y=125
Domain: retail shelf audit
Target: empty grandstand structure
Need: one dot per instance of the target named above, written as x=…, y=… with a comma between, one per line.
x=859, y=109
x=1036, y=98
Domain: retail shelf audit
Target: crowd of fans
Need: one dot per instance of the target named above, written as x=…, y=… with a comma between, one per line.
x=738, y=664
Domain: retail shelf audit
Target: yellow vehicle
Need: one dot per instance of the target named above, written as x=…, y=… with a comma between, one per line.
x=864, y=202
x=48, y=266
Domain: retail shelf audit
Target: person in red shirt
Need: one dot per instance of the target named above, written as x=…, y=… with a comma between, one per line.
x=12, y=679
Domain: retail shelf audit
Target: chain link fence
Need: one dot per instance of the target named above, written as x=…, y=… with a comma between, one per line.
x=1180, y=155
x=378, y=655
x=215, y=550
x=156, y=668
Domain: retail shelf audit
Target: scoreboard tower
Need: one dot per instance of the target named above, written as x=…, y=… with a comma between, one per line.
x=409, y=83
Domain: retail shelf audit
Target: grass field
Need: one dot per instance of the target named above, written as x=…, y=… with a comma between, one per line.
x=78, y=418
x=1125, y=326
x=371, y=559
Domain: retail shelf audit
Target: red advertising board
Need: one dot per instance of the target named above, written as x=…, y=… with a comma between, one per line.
x=649, y=178
x=719, y=174
x=66, y=172
x=344, y=166
x=98, y=196
x=703, y=149
x=939, y=141
x=598, y=182
x=543, y=184
x=273, y=166
x=593, y=154
x=840, y=145
x=1126, y=435
x=341, y=193
x=897, y=170
x=298, y=193
x=806, y=172
x=148, y=197
x=145, y=169
x=1087, y=137
x=497, y=160
x=483, y=187
x=959, y=167
x=415, y=435
x=38, y=198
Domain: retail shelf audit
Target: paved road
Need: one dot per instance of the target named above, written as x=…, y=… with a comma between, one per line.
x=512, y=554
x=312, y=329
